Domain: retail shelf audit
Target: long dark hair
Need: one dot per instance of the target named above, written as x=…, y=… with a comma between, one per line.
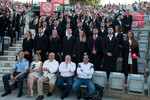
x=118, y=28
x=29, y=33
x=134, y=41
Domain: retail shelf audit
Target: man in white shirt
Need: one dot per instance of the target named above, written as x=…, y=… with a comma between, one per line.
x=66, y=70
x=50, y=68
x=84, y=71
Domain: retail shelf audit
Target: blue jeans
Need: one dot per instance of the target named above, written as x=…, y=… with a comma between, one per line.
x=88, y=82
x=61, y=80
x=6, y=79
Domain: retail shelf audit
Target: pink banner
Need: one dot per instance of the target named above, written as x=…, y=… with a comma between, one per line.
x=46, y=7
x=57, y=1
x=139, y=24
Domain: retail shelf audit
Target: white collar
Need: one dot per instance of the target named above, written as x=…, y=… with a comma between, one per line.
x=94, y=36
x=41, y=34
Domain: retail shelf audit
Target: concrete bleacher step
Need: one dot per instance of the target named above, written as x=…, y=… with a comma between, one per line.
x=11, y=53
x=4, y=70
x=17, y=45
x=19, y=42
x=15, y=48
x=6, y=63
x=8, y=58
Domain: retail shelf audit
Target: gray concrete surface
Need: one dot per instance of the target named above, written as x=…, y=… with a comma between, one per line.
x=55, y=96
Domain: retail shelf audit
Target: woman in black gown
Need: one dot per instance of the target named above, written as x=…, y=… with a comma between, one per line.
x=54, y=45
x=119, y=35
x=130, y=47
x=80, y=47
x=28, y=46
x=11, y=28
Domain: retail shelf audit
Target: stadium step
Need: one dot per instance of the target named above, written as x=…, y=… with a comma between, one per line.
x=15, y=48
x=6, y=63
x=8, y=58
x=10, y=53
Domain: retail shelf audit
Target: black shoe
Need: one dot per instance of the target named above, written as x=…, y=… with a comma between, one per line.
x=62, y=97
x=40, y=97
x=6, y=93
x=79, y=96
x=20, y=94
x=49, y=94
x=86, y=98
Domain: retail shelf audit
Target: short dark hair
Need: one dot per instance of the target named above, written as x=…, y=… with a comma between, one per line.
x=20, y=51
x=110, y=27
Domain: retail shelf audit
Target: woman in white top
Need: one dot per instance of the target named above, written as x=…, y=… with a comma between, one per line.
x=35, y=73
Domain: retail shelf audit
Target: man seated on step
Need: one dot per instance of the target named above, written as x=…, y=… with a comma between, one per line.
x=18, y=72
x=50, y=68
x=66, y=70
x=85, y=71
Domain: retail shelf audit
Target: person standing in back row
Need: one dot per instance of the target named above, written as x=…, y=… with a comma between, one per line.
x=110, y=52
x=95, y=50
x=40, y=44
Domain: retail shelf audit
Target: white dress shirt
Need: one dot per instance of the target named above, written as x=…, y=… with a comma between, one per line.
x=110, y=38
x=116, y=34
x=67, y=70
x=52, y=66
x=88, y=70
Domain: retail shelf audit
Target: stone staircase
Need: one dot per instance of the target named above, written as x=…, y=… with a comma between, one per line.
x=8, y=59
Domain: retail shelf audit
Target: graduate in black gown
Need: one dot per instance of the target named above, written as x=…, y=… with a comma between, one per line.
x=68, y=45
x=54, y=45
x=119, y=35
x=130, y=46
x=27, y=46
x=11, y=29
x=102, y=30
x=127, y=19
x=110, y=52
x=95, y=50
x=40, y=44
x=81, y=47
x=38, y=25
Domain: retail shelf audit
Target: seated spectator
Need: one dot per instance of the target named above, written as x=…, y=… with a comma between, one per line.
x=18, y=72
x=50, y=68
x=35, y=73
x=66, y=70
x=84, y=71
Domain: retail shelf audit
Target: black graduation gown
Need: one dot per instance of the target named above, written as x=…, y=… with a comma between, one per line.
x=109, y=63
x=46, y=32
x=27, y=45
x=125, y=58
x=116, y=22
x=58, y=28
x=37, y=28
x=40, y=43
x=77, y=32
x=127, y=21
x=2, y=26
x=103, y=34
x=95, y=59
x=68, y=46
x=120, y=39
x=54, y=46
x=81, y=48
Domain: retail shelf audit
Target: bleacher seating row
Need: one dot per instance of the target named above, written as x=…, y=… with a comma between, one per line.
x=135, y=82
